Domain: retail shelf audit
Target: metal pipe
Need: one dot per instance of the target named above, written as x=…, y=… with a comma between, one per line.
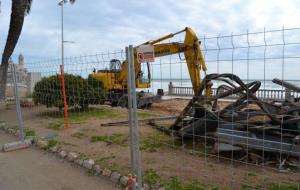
x=18, y=107
x=132, y=106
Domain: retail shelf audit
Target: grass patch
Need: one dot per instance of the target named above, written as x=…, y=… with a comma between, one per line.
x=153, y=142
x=78, y=135
x=175, y=183
x=55, y=126
x=29, y=132
x=80, y=117
x=250, y=174
x=67, y=144
x=152, y=178
x=111, y=164
x=52, y=143
x=118, y=139
x=145, y=114
x=87, y=130
x=284, y=187
x=104, y=160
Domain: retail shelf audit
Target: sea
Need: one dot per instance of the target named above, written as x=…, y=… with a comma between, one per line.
x=164, y=83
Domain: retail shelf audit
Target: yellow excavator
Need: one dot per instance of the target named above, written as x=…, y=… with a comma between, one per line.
x=114, y=79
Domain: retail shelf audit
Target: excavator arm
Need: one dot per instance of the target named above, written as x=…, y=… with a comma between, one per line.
x=192, y=52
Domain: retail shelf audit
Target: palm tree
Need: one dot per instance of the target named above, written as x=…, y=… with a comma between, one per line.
x=20, y=8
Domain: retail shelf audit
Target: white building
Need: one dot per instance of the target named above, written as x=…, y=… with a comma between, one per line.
x=25, y=80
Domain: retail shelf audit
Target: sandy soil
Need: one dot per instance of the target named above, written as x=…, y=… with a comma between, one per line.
x=172, y=158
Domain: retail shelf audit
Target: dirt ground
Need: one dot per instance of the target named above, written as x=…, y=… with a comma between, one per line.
x=161, y=154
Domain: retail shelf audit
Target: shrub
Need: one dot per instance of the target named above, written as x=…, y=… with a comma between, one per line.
x=79, y=91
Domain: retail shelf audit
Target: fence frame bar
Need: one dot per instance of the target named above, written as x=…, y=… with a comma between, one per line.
x=133, y=119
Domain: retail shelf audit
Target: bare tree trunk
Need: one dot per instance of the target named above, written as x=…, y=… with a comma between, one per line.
x=16, y=24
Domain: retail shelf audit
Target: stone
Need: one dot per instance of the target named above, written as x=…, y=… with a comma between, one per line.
x=72, y=156
x=124, y=180
x=11, y=131
x=106, y=172
x=42, y=144
x=2, y=125
x=17, y=133
x=62, y=154
x=5, y=128
x=97, y=169
x=115, y=177
x=88, y=164
x=53, y=149
x=79, y=162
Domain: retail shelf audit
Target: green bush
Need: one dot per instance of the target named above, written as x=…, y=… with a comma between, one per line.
x=79, y=91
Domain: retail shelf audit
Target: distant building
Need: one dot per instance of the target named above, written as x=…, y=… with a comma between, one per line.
x=32, y=79
x=25, y=80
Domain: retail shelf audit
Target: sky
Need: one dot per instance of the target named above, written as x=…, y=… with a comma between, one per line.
x=110, y=25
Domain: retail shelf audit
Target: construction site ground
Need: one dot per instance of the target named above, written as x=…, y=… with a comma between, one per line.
x=161, y=154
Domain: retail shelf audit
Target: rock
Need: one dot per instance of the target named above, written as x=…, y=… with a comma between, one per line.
x=115, y=177
x=11, y=131
x=42, y=144
x=106, y=172
x=124, y=180
x=88, y=164
x=62, y=154
x=2, y=125
x=5, y=128
x=79, y=162
x=72, y=156
x=161, y=188
x=97, y=169
x=53, y=149
x=17, y=133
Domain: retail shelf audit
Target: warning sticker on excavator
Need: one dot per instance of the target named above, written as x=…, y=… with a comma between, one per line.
x=145, y=53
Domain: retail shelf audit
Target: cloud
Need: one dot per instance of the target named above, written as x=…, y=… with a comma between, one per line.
x=102, y=26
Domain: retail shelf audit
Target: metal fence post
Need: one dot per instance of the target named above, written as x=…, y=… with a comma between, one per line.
x=18, y=107
x=133, y=120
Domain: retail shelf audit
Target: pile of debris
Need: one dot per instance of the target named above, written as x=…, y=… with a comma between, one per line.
x=267, y=130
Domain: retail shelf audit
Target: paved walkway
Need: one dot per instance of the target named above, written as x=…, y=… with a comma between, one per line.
x=33, y=169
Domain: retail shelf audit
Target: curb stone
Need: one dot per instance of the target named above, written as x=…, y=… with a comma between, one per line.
x=2, y=125
x=97, y=169
x=72, y=156
x=42, y=144
x=88, y=164
x=106, y=172
x=54, y=149
x=124, y=180
x=62, y=154
x=79, y=162
x=115, y=177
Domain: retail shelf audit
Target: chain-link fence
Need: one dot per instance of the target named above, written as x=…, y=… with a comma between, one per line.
x=245, y=135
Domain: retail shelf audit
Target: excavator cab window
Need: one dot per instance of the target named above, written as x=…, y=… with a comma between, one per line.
x=144, y=75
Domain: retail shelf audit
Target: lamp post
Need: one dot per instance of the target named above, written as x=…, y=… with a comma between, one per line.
x=61, y=3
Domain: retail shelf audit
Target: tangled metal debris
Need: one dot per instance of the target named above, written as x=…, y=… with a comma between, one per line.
x=267, y=129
